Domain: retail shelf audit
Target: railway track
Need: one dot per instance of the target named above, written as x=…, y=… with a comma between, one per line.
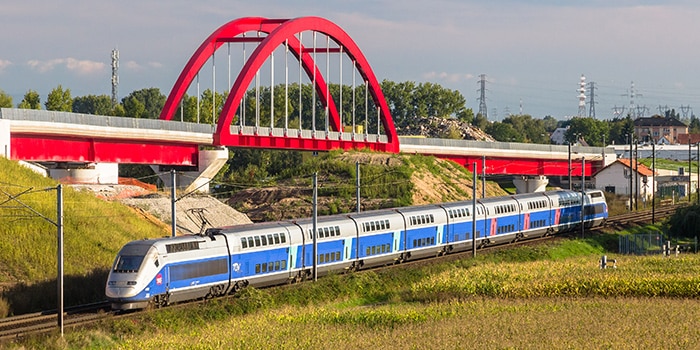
x=17, y=327
x=47, y=321
x=641, y=217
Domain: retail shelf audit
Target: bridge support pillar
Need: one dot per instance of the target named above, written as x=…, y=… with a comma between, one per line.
x=210, y=162
x=530, y=184
x=5, y=138
x=93, y=173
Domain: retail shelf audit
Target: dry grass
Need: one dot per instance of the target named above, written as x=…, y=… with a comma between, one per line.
x=474, y=323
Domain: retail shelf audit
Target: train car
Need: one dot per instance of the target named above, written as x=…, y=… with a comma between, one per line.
x=537, y=218
x=595, y=208
x=224, y=260
x=380, y=238
x=424, y=230
x=503, y=220
x=167, y=270
x=334, y=244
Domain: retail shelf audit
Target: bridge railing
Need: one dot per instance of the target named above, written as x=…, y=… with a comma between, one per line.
x=306, y=134
x=419, y=141
x=99, y=120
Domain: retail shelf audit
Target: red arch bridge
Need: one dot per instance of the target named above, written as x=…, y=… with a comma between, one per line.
x=321, y=94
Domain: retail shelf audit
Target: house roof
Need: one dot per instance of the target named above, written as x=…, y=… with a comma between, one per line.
x=658, y=120
x=641, y=168
x=683, y=138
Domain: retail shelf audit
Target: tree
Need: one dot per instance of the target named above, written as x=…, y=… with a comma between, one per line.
x=59, y=100
x=590, y=129
x=31, y=100
x=550, y=124
x=5, y=100
x=144, y=103
x=91, y=104
x=504, y=132
x=694, y=126
x=531, y=130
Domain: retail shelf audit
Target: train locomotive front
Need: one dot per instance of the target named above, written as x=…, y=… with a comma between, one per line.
x=135, y=271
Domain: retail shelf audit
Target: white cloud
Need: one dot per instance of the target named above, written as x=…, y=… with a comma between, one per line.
x=448, y=77
x=133, y=65
x=72, y=64
x=4, y=64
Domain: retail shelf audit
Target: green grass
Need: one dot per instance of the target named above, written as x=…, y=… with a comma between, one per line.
x=93, y=231
x=545, y=296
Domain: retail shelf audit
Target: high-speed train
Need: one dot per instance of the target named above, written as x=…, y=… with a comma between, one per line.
x=223, y=260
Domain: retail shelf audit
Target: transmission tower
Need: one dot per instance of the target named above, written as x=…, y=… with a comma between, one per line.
x=591, y=94
x=582, y=96
x=685, y=110
x=642, y=111
x=482, y=96
x=632, y=95
x=115, y=75
x=618, y=111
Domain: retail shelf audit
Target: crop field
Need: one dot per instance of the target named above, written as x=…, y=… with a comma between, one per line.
x=553, y=296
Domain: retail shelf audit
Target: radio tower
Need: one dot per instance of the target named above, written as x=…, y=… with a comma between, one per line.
x=482, y=96
x=591, y=94
x=115, y=76
x=582, y=97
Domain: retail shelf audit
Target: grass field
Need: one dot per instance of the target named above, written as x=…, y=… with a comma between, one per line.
x=539, y=297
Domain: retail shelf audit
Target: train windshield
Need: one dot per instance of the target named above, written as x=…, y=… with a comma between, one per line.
x=128, y=263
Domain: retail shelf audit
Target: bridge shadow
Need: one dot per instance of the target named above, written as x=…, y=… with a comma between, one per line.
x=24, y=298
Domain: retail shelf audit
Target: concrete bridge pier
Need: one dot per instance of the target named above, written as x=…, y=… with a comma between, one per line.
x=210, y=162
x=530, y=184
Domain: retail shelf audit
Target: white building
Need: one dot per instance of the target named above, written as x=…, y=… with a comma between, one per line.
x=615, y=178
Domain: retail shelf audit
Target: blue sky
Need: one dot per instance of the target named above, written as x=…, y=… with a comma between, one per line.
x=531, y=51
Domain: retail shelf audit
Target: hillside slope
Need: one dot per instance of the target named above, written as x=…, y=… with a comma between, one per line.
x=387, y=180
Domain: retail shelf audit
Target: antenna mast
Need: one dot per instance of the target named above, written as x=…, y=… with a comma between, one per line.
x=115, y=76
x=582, y=97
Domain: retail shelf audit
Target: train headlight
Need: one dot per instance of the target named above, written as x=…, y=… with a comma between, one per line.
x=112, y=283
x=131, y=283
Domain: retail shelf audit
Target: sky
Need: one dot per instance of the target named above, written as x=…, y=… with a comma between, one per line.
x=533, y=52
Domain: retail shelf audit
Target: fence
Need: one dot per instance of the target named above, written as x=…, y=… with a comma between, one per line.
x=653, y=243
x=641, y=244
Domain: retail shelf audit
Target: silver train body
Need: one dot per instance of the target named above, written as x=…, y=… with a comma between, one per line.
x=224, y=260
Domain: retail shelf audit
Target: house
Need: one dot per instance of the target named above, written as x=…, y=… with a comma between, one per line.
x=655, y=128
x=615, y=178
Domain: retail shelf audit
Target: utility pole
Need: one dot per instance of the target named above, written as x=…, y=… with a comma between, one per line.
x=315, y=226
x=631, y=170
x=653, y=183
x=482, y=96
x=569, y=144
x=636, y=177
x=474, y=212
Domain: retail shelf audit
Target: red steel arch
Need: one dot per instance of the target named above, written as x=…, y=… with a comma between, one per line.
x=280, y=31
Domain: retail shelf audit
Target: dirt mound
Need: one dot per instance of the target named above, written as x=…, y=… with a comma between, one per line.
x=441, y=181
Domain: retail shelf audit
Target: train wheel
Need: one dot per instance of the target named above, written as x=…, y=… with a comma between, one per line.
x=161, y=300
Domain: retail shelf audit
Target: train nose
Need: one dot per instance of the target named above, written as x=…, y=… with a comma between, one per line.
x=120, y=291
